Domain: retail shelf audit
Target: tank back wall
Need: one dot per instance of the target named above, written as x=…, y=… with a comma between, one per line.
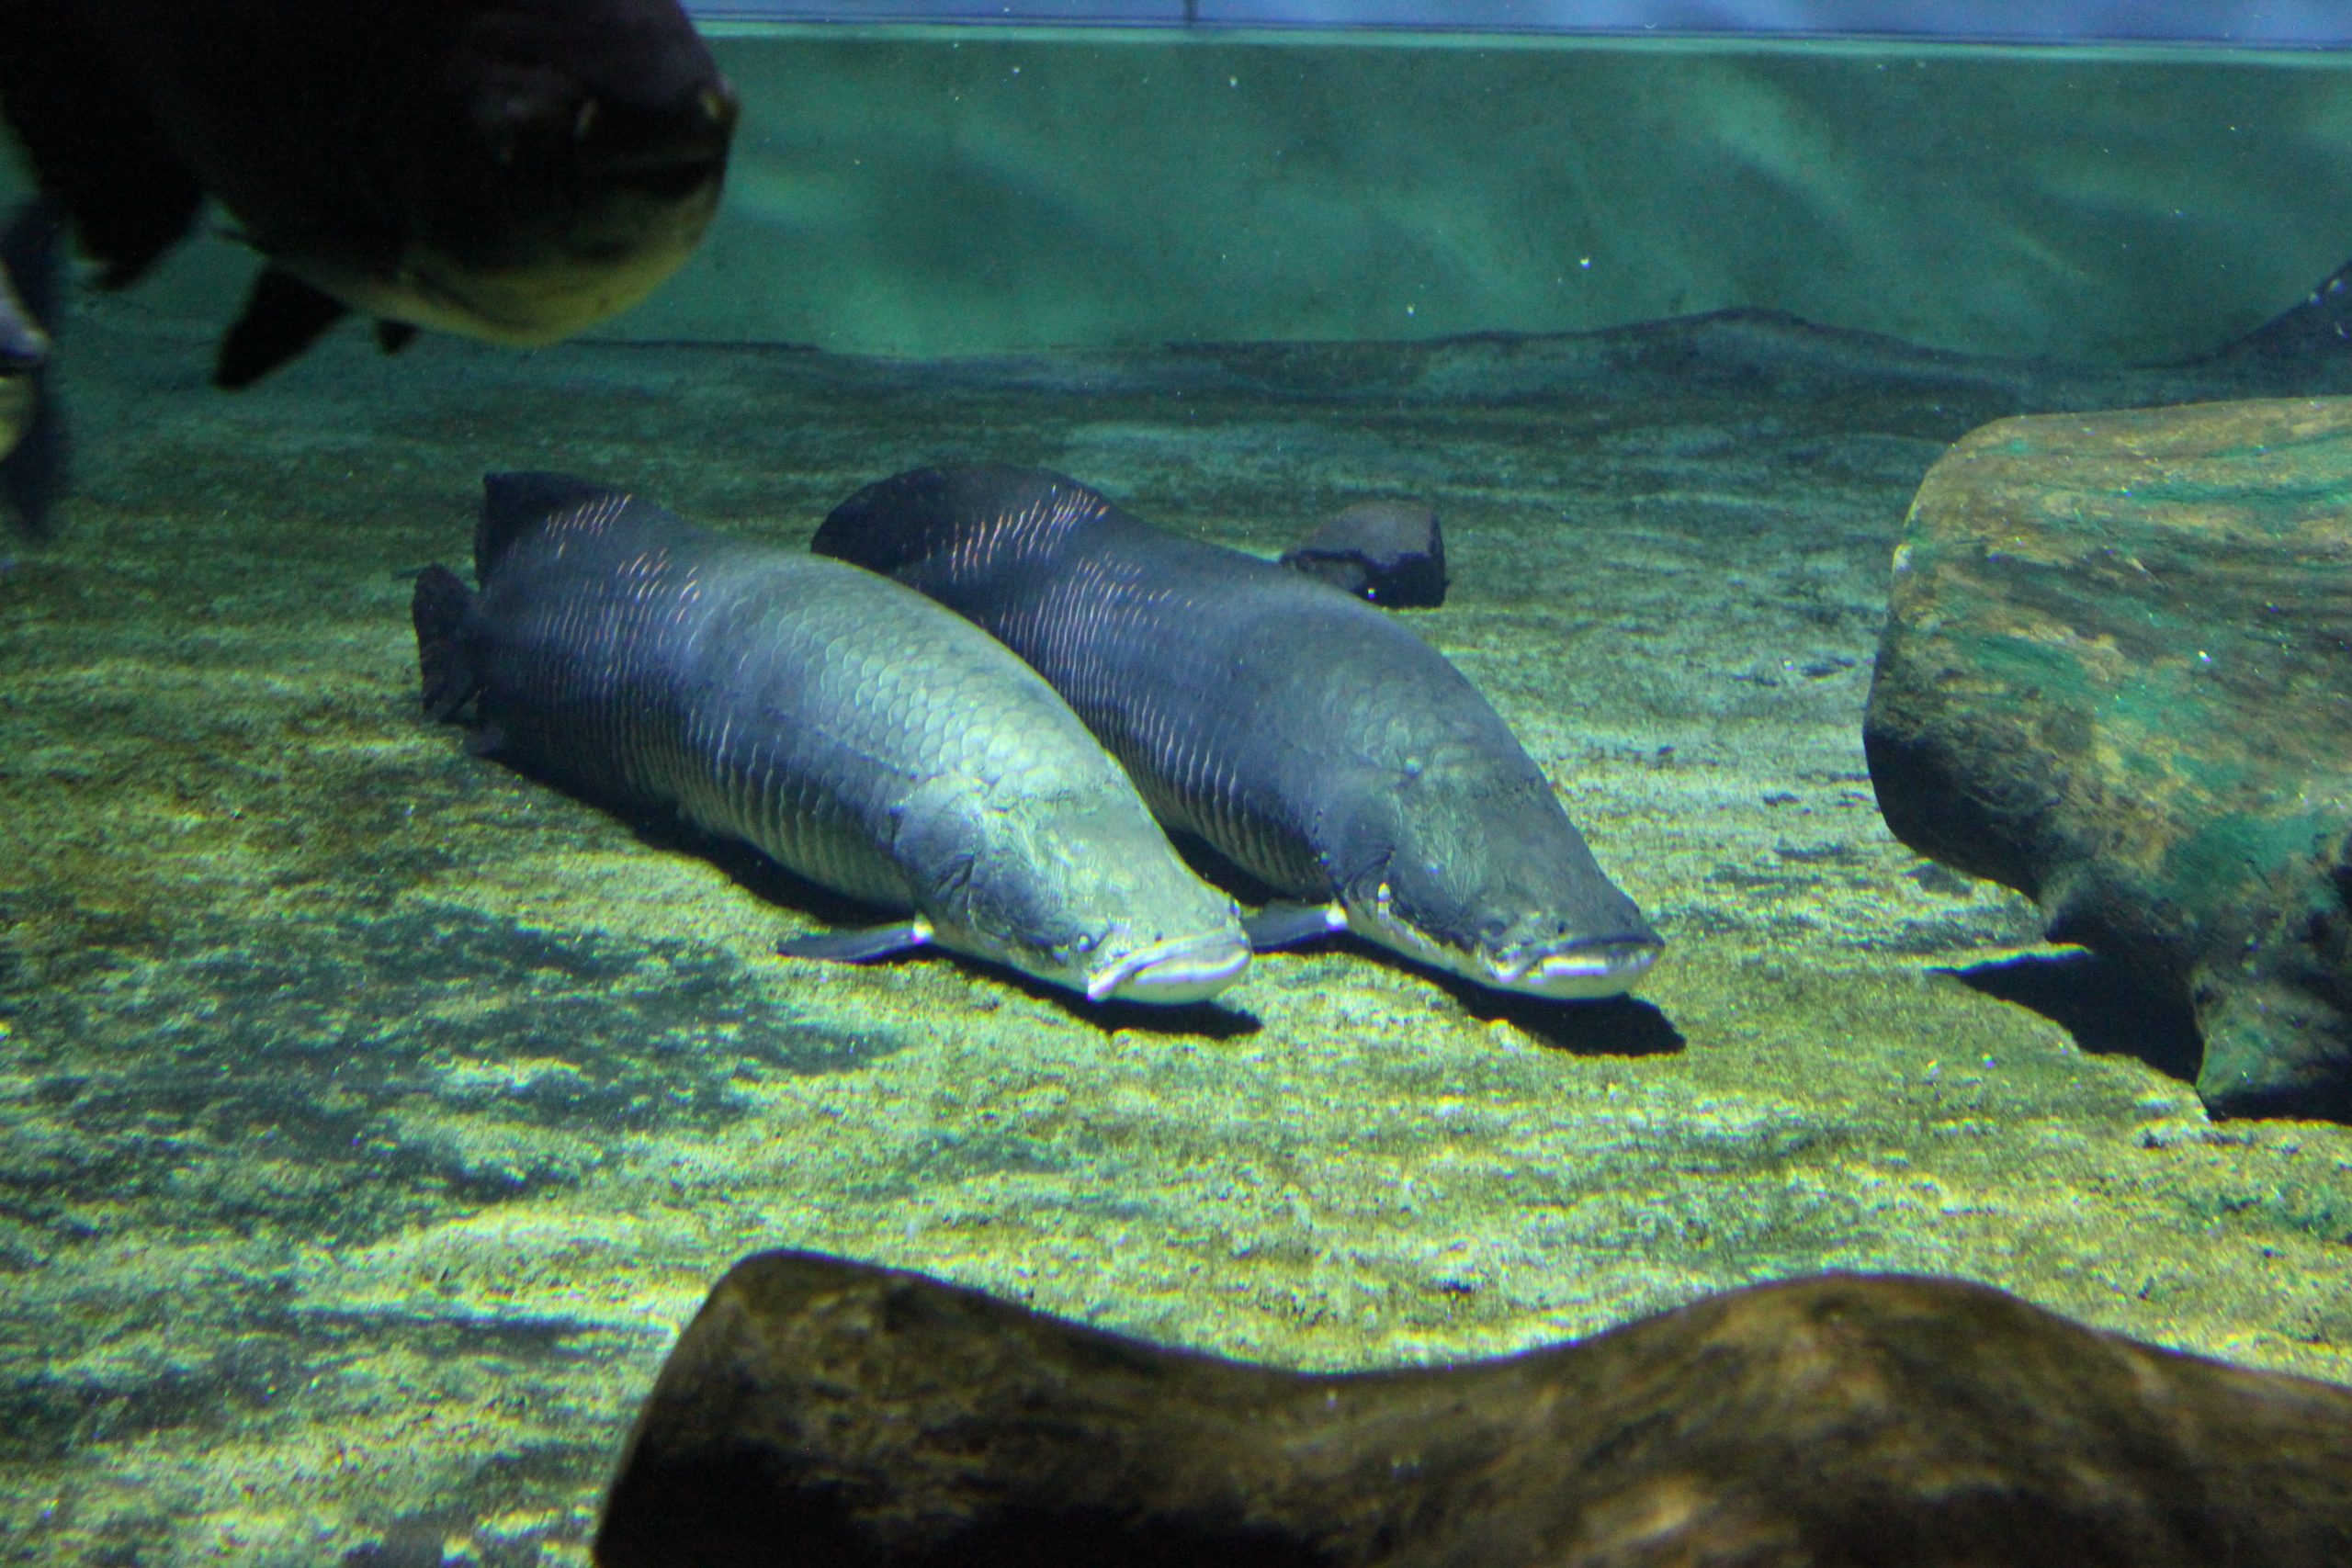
x=941, y=190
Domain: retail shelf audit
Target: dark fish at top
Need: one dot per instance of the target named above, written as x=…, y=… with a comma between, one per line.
x=1311, y=739
x=512, y=170
x=855, y=731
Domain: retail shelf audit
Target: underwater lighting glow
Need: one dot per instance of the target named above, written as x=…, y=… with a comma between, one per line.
x=2245, y=24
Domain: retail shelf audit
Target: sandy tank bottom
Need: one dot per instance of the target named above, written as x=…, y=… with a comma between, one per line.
x=371, y=1117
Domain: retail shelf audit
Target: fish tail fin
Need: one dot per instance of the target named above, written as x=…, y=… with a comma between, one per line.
x=915, y=516
x=438, y=611
x=32, y=257
x=515, y=503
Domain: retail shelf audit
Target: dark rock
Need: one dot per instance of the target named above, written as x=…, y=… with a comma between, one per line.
x=818, y=1411
x=2117, y=675
x=1391, y=552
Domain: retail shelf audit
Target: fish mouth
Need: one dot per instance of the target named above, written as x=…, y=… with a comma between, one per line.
x=1173, y=973
x=1584, y=970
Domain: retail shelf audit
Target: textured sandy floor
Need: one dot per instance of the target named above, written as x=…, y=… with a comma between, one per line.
x=371, y=1117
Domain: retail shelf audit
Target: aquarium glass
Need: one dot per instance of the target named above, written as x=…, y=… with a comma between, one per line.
x=374, y=1114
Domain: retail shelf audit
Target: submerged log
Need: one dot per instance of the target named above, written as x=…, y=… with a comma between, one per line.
x=824, y=1412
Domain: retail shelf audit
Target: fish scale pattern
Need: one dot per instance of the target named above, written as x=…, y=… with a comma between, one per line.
x=1218, y=679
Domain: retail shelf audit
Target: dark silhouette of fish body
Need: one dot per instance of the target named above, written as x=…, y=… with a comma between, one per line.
x=32, y=431
x=512, y=170
x=1311, y=739
x=853, y=730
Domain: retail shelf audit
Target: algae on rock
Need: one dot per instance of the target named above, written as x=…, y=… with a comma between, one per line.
x=2117, y=675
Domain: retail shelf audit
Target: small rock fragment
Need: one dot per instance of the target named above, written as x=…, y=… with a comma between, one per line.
x=1391, y=552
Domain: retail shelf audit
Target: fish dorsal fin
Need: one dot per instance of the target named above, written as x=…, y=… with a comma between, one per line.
x=922, y=514
x=515, y=503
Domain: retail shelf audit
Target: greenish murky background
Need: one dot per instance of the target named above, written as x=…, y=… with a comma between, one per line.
x=372, y=1118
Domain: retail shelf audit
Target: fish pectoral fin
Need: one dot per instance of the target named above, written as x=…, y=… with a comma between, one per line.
x=1287, y=925
x=861, y=946
x=283, y=316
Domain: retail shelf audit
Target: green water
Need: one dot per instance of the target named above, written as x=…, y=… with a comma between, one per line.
x=372, y=1118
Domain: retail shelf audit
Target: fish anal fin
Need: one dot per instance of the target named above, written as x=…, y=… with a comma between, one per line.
x=94, y=146
x=1287, y=925
x=283, y=316
x=862, y=946
x=393, y=336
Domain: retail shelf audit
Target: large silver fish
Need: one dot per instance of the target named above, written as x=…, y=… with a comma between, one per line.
x=849, y=728
x=1310, y=738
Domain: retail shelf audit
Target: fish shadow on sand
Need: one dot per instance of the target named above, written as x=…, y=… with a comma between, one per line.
x=2108, y=1009
x=1614, y=1026
x=1603, y=1026
x=1600, y=1026
x=773, y=884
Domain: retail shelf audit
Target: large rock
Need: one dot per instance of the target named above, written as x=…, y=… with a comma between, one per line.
x=818, y=1411
x=2116, y=676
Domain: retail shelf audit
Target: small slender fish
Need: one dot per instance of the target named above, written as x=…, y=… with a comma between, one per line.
x=1309, y=737
x=851, y=729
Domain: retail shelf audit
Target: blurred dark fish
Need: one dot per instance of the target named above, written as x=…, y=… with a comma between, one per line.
x=513, y=169
x=32, y=435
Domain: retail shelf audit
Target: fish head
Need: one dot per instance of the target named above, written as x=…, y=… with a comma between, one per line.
x=1535, y=950
x=1513, y=900
x=1090, y=897
x=1172, y=971
x=556, y=160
